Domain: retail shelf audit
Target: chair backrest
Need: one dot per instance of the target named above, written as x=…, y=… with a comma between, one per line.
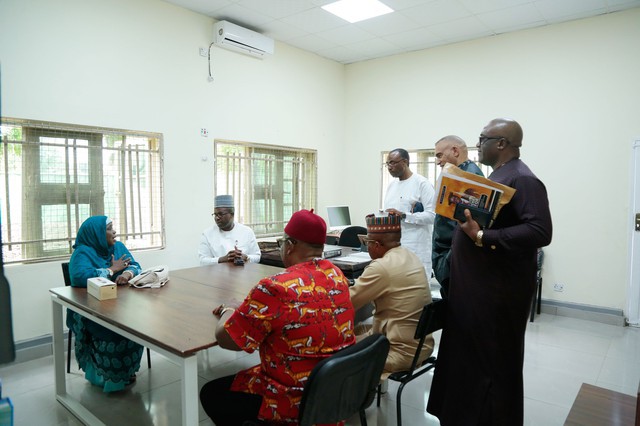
x=65, y=273
x=344, y=383
x=349, y=236
x=540, y=259
x=431, y=320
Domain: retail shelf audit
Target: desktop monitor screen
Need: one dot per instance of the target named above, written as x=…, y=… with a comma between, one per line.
x=338, y=217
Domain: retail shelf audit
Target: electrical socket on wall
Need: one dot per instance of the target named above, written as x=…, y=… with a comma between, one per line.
x=203, y=52
x=204, y=132
x=558, y=287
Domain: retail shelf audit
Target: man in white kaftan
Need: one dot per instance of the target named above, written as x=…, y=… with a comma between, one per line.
x=227, y=241
x=412, y=197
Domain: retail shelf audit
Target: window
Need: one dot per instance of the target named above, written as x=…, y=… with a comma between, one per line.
x=268, y=183
x=423, y=162
x=54, y=176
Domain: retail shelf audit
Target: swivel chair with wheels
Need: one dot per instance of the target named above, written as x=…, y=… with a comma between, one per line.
x=349, y=236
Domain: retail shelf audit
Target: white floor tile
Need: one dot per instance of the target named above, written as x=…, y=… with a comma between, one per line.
x=572, y=362
x=551, y=386
x=626, y=346
x=625, y=376
x=537, y=413
x=560, y=354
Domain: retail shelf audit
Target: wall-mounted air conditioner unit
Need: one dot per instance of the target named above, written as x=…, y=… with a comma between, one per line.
x=234, y=37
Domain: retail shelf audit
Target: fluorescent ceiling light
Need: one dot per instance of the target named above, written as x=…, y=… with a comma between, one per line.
x=357, y=10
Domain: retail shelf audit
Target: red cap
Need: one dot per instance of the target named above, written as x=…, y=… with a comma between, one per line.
x=307, y=226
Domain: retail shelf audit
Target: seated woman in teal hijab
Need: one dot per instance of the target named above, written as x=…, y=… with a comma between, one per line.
x=107, y=359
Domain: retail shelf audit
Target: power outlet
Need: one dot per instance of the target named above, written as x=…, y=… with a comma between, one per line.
x=558, y=287
x=203, y=52
x=204, y=132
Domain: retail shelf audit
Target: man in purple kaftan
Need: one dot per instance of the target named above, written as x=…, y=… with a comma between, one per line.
x=478, y=377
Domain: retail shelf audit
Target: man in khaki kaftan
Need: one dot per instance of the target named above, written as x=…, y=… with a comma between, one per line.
x=396, y=282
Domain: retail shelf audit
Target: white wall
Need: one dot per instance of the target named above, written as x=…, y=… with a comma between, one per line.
x=574, y=88
x=135, y=64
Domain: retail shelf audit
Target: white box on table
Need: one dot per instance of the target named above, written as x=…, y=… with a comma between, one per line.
x=102, y=288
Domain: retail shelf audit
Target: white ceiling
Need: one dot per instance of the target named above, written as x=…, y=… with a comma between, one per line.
x=415, y=24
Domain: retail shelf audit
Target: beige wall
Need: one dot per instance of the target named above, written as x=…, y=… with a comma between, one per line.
x=135, y=64
x=574, y=88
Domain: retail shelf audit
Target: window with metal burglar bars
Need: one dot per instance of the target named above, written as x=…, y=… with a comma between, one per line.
x=54, y=175
x=268, y=183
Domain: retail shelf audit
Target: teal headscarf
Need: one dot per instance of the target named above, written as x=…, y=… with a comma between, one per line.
x=92, y=255
x=93, y=233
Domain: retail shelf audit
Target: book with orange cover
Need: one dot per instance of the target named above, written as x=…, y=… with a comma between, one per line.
x=458, y=190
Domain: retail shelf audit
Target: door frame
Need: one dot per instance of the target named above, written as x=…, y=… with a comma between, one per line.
x=633, y=294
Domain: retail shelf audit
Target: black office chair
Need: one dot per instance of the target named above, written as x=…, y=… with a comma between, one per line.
x=432, y=319
x=345, y=383
x=538, y=296
x=67, y=282
x=349, y=236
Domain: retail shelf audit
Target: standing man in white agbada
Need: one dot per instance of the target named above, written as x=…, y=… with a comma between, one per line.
x=227, y=240
x=412, y=197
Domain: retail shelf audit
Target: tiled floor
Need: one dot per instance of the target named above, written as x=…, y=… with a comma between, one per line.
x=561, y=354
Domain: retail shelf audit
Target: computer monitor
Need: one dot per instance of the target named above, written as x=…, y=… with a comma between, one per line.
x=338, y=217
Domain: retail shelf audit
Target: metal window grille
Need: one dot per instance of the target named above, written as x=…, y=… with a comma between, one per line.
x=268, y=183
x=54, y=176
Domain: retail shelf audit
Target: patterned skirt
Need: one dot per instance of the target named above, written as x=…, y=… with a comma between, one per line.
x=107, y=359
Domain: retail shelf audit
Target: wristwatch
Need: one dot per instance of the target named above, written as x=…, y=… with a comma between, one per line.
x=479, y=238
x=403, y=216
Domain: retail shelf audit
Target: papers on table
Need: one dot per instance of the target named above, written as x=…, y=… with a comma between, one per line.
x=355, y=257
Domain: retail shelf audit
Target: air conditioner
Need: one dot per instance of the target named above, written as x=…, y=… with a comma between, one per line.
x=234, y=37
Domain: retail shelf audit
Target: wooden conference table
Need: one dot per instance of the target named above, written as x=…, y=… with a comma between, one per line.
x=174, y=321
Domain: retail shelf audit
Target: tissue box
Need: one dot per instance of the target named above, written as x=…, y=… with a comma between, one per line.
x=102, y=288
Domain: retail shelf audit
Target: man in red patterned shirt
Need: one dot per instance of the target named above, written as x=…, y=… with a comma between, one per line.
x=294, y=319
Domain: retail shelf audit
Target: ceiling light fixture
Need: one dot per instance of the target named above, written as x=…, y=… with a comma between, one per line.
x=357, y=10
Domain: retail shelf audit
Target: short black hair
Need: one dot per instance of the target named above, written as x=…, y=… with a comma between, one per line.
x=402, y=153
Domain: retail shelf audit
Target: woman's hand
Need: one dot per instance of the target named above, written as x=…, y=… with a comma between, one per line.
x=124, y=278
x=121, y=264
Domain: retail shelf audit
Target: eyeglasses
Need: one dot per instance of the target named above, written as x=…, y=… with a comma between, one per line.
x=365, y=241
x=281, y=241
x=220, y=214
x=484, y=139
x=393, y=163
